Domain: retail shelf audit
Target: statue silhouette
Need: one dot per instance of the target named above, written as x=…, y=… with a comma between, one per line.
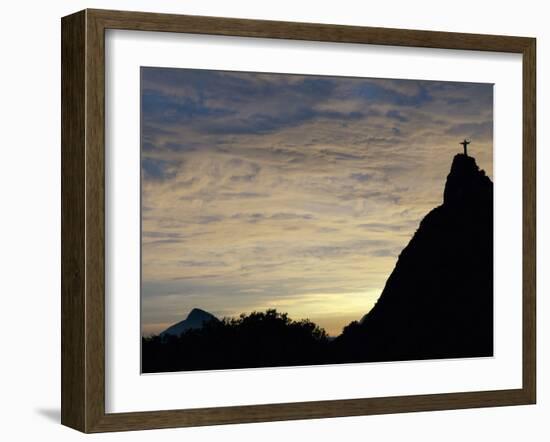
x=465, y=144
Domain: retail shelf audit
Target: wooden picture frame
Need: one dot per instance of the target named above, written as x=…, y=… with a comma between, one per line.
x=83, y=220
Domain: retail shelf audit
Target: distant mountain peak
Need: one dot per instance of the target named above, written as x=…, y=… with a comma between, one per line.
x=198, y=313
x=195, y=320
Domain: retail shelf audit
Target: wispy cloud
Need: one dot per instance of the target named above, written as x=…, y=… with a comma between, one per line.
x=289, y=191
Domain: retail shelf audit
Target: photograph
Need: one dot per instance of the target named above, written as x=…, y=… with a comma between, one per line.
x=299, y=220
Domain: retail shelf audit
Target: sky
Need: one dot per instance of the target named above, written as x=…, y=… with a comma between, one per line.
x=294, y=192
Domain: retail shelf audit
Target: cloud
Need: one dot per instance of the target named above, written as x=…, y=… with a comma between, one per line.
x=396, y=115
x=361, y=176
x=476, y=130
x=157, y=169
x=386, y=93
x=157, y=107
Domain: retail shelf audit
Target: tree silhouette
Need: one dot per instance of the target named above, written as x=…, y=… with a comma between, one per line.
x=259, y=339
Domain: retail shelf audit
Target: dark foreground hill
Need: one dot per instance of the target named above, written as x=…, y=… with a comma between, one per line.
x=437, y=302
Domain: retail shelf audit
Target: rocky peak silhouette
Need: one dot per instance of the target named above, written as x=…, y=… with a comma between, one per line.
x=198, y=314
x=466, y=183
x=438, y=301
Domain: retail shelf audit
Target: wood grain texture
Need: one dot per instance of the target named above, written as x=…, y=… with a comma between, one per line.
x=73, y=128
x=95, y=222
x=144, y=21
x=83, y=220
x=307, y=410
x=529, y=220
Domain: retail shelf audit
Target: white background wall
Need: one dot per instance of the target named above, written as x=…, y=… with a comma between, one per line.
x=30, y=217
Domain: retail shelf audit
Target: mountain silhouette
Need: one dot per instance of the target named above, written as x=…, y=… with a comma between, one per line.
x=195, y=320
x=438, y=301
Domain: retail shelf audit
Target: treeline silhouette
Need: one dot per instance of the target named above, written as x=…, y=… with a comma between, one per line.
x=259, y=339
x=437, y=303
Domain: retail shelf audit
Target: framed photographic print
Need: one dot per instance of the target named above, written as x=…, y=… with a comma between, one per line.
x=269, y=220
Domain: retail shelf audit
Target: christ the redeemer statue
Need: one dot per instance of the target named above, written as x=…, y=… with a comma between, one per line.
x=465, y=144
